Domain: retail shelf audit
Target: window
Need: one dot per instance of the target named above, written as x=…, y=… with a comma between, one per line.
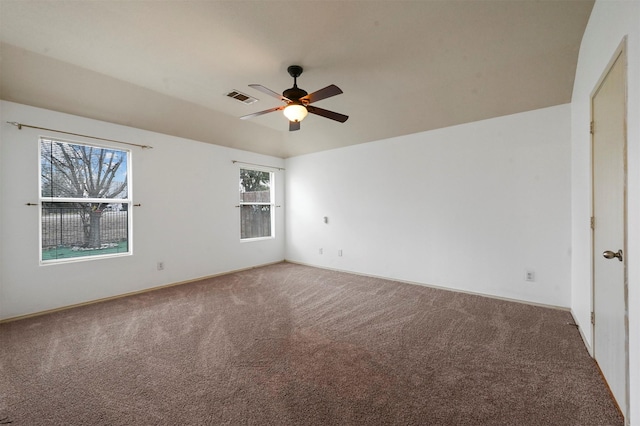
x=85, y=199
x=256, y=204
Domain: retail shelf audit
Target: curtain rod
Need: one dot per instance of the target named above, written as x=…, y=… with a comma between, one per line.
x=21, y=125
x=259, y=165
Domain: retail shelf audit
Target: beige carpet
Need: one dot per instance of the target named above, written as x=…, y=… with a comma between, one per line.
x=294, y=345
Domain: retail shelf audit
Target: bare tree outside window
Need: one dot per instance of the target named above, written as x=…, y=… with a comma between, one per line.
x=256, y=204
x=85, y=200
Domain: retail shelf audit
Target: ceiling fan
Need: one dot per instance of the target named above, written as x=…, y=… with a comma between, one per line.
x=297, y=101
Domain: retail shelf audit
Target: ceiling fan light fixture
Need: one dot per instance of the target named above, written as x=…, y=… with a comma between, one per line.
x=295, y=112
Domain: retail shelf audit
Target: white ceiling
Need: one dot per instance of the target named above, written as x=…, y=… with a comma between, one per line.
x=404, y=66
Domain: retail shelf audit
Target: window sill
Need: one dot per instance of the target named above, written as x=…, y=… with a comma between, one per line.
x=250, y=240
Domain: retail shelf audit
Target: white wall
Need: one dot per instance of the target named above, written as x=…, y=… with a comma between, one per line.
x=469, y=207
x=188, y=219
x=609, y=23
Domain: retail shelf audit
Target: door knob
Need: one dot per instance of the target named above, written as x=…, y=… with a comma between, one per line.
x=608, y=254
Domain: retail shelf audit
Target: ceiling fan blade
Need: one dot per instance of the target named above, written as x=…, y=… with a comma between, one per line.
x=321, y=94
x=328, y=114
x=269, y=92
x=294, y=125
x=255, y=114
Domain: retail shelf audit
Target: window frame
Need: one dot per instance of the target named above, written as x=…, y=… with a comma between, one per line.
x=44, y=199
x=271, y=203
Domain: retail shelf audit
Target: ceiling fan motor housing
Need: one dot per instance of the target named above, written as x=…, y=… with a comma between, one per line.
x=294, y=94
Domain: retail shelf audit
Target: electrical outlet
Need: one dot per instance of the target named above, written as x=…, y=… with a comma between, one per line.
x=339, y=252
x=160, y=266
x=529, y=275
x=320, y=251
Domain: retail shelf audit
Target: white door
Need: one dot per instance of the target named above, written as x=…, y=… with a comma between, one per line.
x=609, y=223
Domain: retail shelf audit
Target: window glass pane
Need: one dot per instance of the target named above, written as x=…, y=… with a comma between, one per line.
x=82, y=171
x=255, y=221
x=71, y=227
x=81, y=229
x=255, y=186
x=256, y=212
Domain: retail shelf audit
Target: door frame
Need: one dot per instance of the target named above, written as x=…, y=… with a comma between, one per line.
x=619, y=53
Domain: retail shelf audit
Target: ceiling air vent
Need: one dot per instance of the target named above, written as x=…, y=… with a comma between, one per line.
x=241, y=97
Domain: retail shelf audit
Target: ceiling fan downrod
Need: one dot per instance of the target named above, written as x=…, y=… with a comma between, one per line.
x=295, y=93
